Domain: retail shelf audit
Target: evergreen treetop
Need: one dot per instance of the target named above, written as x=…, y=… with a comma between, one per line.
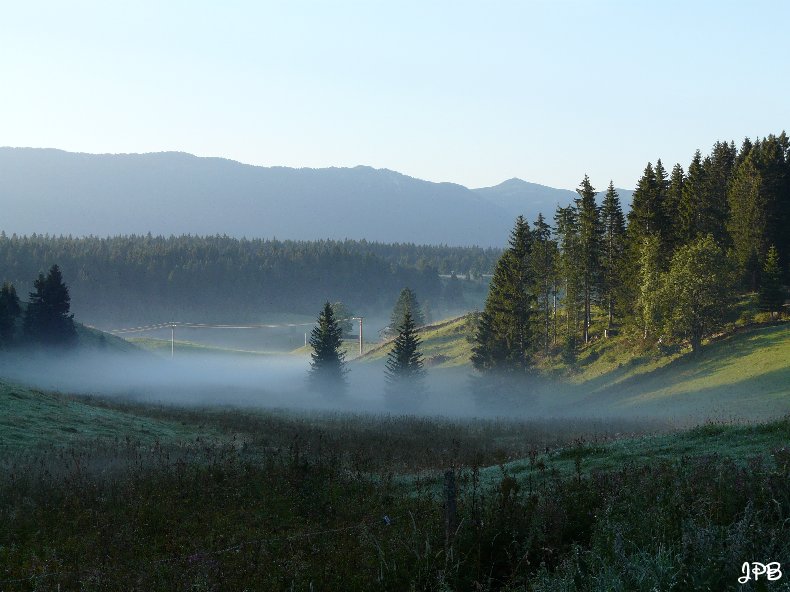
x=47, y=319
x=407, y=302
x=772, y=296
x=404, y=366
x=328, y=364
x=10, y=310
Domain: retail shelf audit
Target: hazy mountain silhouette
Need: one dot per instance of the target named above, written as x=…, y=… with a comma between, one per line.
x=57, y=192
x=522, y=197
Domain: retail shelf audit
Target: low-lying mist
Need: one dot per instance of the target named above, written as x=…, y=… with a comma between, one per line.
x=270, y=381
x=280, y=382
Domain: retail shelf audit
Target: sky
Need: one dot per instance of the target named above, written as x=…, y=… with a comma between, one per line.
x=467, y=92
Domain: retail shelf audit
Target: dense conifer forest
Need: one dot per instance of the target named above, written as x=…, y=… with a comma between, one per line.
x=669, y=271
x=141, y=279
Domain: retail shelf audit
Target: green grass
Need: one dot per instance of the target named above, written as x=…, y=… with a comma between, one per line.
x=445, y=344
x=744, y=375
x=32, y=418
x=350, y=347
x=91, y=338
x=740, y=443
x=162, y=346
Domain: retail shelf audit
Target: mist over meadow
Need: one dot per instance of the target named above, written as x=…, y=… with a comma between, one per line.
x=262, y=381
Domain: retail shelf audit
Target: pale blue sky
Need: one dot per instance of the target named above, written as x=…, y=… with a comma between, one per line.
x=469, y=92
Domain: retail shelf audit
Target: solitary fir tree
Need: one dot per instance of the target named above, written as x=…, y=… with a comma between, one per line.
x=10, y=310
x=47, y=319
x=404, y=370
x=407, y=302
x=771, y=296
x=328, y=364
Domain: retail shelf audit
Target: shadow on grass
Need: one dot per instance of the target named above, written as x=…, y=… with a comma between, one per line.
x=713, y=359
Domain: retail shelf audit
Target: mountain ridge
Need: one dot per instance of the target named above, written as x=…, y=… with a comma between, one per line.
x=48, y=190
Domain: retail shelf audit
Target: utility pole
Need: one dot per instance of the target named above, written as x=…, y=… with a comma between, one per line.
x=360, y=333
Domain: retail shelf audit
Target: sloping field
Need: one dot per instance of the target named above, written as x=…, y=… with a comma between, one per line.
x=445, y=344
x=744, y=375
x=33, y=418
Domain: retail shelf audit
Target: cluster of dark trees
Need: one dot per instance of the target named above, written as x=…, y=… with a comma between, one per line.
x=148, y=279
x=404, y=371
x=668, y=270
x=44, y=320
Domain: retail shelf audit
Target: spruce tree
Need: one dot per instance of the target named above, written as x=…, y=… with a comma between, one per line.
x=589, y=249
x=504, y=340
x=720, y=166
x=648, y=303
x=543, y=264
x=407, y=302
x=47, y=320
x=647, y=212
x=747, y=222
x=694, y=211
x=10, y=310
x=404, y=370
x=569, y=268
x=672, y=210
x=613, y=224
x=328, y=364
x=771, y=294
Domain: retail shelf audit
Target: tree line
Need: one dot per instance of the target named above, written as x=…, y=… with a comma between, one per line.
x=668, y=270
x=45, y=320
x=142, y=279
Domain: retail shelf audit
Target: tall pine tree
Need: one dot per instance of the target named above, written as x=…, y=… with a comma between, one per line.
x=404, y=370
x=613, y=224
x=10, y=310
x=407, y=302
x=504, y=341
x=772, y=296
x=695, y=218
x=589, y=249
x=47, y=320
x=544, y=259
x=328, y=363
x=569, y=268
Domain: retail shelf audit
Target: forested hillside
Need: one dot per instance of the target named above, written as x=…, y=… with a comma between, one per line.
x=668, y=272
x=143, y=279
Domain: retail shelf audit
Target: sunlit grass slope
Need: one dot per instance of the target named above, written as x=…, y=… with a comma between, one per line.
x=445, y=344
x=746, y=374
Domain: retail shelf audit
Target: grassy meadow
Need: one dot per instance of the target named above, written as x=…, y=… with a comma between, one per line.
x=634, y=491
